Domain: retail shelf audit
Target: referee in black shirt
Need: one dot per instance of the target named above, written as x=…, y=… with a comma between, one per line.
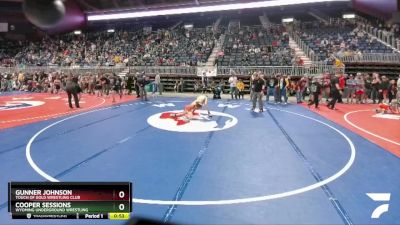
x=72, y=89
x=258, y=87
x=335, y=92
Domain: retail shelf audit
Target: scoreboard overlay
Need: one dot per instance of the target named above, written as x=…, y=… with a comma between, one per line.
x=70, y=200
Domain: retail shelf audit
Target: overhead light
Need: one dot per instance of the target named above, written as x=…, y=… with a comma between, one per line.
x=110, y=30
x=199, y=9
x=77, y=32
x=287, y=20
x=349, y=16
x=188, y=26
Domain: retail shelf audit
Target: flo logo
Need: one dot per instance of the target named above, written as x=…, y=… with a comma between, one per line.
x=14, y=105
x=200, y=123
x=379, y=197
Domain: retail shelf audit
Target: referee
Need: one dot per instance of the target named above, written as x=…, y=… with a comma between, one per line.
x=72, y=89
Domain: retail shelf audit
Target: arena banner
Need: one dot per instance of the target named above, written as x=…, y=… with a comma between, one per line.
x=209, y=71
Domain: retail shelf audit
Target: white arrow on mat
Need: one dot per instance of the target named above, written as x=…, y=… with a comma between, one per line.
x=22, y=98
x=53, y=98
x=162, y=105
x=229, y=106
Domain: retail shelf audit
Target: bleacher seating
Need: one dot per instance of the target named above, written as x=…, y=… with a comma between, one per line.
x=256, y=46
x=339, y=40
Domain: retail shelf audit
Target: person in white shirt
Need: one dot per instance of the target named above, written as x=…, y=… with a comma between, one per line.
x=157, y=84
x=232, y=84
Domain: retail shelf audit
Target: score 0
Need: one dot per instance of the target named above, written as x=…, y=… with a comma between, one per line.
x=121, y=196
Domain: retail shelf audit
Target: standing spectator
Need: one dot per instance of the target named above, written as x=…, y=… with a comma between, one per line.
x=360, y=88
x=259, y=85
x=21, y=80
x=383, y=89
x=98, y=86
x=398, y=83
x=57, y=85
x=368, y=87
x=299, y=88
x=92, y=83
x=335, y=91
x=103, y=81
x=252, y=78
x=342, y=85
x=204, y=83
x=326, y=86
x=142, y=86
x=157, y=82
x=181, y=85
x=392, y=90
x=277, y=96
x=196, y=86
x=232, y=84
x=136, y=83
x=176, y=86
x=129, y=84
x=351, y=88
x=271, y=83
x=375, y=84
x=315, y=91
x=115, y=83
x=283, y=86
x=240, y=88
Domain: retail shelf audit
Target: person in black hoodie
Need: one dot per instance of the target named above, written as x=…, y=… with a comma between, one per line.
x=72, y=89
x=315, y=91
x=136, y=84
x=143, y=81
x=129, y=84
x=335, y=91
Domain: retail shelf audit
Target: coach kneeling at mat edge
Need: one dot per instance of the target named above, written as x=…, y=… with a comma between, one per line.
x=72, y=89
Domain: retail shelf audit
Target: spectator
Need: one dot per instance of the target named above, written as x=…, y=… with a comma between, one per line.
x=240, y=88
x=360, y=88
x=350, y=88
x=392, y=90
x=158, y=84
x=232, y=84
x=376, y=83
x=315, y=90
x=258, y=85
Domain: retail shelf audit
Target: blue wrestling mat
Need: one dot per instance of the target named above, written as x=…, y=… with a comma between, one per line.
x=286, y=165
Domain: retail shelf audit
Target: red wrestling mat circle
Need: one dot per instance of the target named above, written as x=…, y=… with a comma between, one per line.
x=381, y=129
x=16, y=110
